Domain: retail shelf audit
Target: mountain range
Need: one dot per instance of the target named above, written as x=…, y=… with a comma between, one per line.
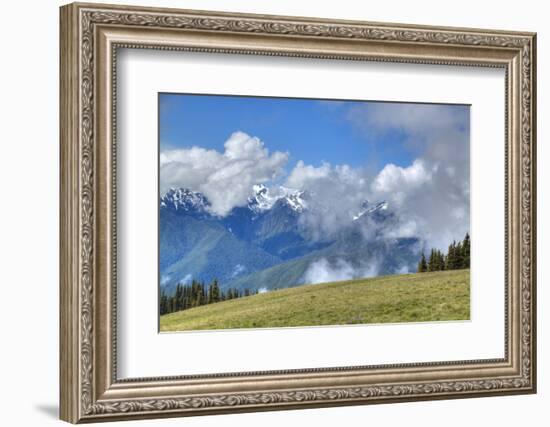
x=265, y=245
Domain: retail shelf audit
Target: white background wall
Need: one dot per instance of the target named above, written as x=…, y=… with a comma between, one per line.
x=29, y=170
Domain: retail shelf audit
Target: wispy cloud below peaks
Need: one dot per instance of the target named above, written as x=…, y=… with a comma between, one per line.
x=322, y=271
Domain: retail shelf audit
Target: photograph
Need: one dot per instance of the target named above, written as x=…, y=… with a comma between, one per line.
x=291, y=212
x=268, y=212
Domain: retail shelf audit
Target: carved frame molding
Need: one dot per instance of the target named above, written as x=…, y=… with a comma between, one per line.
x=90, y=36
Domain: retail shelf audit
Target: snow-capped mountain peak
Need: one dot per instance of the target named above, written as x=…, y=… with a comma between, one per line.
x=262, y=200
x=265, y=198
x=367, y=208
x=184, y=199
x=295, y=199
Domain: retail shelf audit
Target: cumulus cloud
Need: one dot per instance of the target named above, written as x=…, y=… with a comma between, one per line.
x=432, y=195
x=224, y=178
x=323, y=271
x=336, y=193
x=425, y=199
x=428, y=199
x=393, y=178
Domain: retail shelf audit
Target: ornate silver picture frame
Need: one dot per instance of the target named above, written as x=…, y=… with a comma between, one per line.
x=91, y=36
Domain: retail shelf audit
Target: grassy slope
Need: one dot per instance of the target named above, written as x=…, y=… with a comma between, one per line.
x=356, y=250
x=405, y=298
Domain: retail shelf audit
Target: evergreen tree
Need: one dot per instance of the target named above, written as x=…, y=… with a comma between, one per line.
x=186, y=298
x=193, y=293
x=232, y=293
x=215, y=291
x=450, y=260
x=440, y=261
x=422, y=266
x=198, y=293
x=200, y=299
x=163, y=304
x=459, y=256
x=209, y=294
x=437, y=260
x=432, y=261
x=179, y=297
x=466, y=251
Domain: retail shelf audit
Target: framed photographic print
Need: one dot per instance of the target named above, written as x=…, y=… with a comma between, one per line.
x=264, y=212
x=337, y=196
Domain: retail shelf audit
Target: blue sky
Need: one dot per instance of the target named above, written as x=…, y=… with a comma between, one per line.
x=310, y=130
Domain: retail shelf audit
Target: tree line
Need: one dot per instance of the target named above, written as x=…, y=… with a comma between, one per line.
x=457, y=257
x=197, y=294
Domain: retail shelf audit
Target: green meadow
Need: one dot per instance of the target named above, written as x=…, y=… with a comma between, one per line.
x=420, y=297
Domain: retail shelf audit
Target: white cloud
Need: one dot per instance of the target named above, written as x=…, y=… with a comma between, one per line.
x=322, y=271
x=395, y=178
x=303, y=176
x=238, y=270
x=430, y=203
x=432, y=195
x=226, y=179
x=436, y=133
x=335, y=193
x=426, y=200
x=413, y=118
x=404, y=269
